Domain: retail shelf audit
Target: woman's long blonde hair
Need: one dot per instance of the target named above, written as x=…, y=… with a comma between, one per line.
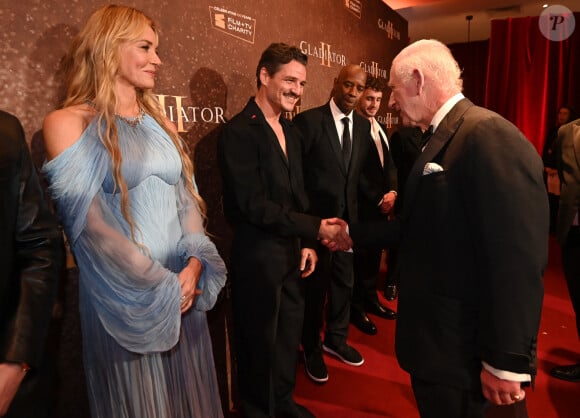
x=90, y=67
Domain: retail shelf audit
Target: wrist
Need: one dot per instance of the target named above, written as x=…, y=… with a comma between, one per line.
x=319, y=236
x=24, y=367
x=194, y=262
x=21, y=367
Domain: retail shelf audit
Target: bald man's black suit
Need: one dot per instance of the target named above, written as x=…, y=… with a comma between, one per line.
x=332, y=190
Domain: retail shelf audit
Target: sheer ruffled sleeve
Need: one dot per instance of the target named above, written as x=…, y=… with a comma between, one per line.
x=131, y=293
x=194, y=243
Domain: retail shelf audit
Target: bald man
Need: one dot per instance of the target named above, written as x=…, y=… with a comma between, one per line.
x=335, y=145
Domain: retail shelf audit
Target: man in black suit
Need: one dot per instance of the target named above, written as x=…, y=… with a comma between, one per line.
x=335, y=144
x=30, y=262
x=567, y=227
x=379, y=170
x=474, y=245
x=272, y=251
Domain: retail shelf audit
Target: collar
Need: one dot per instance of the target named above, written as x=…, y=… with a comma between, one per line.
x=337, y=114
x=257, y=115
x=374, y=122
x=444, y=110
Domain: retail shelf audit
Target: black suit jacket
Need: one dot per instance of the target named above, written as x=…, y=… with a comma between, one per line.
x=473, y=251
x=405, y=148
x=379, y=177
x=264, y=196
x=31, y=253
x=332, y=189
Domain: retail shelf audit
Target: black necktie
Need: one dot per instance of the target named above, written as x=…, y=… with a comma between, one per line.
x=426, y=136
x=346, y=143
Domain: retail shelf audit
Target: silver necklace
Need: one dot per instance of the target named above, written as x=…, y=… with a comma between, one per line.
x=132, y=121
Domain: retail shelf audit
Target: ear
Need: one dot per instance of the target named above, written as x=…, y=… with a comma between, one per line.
x=418, y=81
x=264, y=76
x=334, y=87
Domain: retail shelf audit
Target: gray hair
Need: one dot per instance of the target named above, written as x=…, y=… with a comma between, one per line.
x=436, y=62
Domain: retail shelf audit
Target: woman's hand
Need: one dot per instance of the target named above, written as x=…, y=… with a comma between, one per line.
x=188, y=278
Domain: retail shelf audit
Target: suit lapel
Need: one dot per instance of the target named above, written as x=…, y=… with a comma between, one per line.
x=445, y=131
x=387, y=159
x=276, y=144
x=257, y=119
x=359, y=135
x=332, y=136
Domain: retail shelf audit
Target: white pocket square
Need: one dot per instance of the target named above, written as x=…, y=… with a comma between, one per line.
x=431, y=168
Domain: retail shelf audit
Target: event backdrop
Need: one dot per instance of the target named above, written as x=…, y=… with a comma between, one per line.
x=209, y=49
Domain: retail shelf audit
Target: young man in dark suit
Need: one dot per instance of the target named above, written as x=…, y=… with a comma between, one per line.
x=335, y=145
x=474, y=245
x=379, y=171
x=273, y=246
x=30, y=262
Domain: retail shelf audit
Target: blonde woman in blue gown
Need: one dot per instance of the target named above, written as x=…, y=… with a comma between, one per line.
x=124, y=189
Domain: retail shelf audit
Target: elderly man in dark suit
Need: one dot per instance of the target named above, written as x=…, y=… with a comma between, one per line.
x=272, y=251
x=30, y=262
x=335, y=145
x=474, y=245
x=567, y=227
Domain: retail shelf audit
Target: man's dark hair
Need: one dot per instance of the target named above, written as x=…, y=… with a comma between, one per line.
x=276, y=55
x=375, y=83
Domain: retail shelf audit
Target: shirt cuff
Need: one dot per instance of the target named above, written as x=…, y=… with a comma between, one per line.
x=350, y=250
x=505, y=375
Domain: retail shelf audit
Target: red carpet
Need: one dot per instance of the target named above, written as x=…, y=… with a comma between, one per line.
x=379, y=388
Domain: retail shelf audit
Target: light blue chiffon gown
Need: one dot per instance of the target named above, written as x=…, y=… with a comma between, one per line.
x=142, y=357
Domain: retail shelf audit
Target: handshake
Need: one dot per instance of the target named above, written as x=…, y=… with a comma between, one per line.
x=333, y=234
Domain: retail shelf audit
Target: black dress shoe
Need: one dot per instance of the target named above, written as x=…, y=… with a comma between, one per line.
x=379, y=310
x=363, y=322
x=570, y=373
x=391, y=292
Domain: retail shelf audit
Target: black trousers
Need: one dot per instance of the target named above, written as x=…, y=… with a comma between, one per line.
x=571, y=267
x=393, y=270
x=331, y=283
x=367, y=264
x=268, y=312
x=435, y=400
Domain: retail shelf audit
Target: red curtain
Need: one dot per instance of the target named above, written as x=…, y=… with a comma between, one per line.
x=529, y=77
x=472, y=59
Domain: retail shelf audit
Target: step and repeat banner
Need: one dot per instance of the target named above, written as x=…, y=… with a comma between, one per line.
x=209, y=50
